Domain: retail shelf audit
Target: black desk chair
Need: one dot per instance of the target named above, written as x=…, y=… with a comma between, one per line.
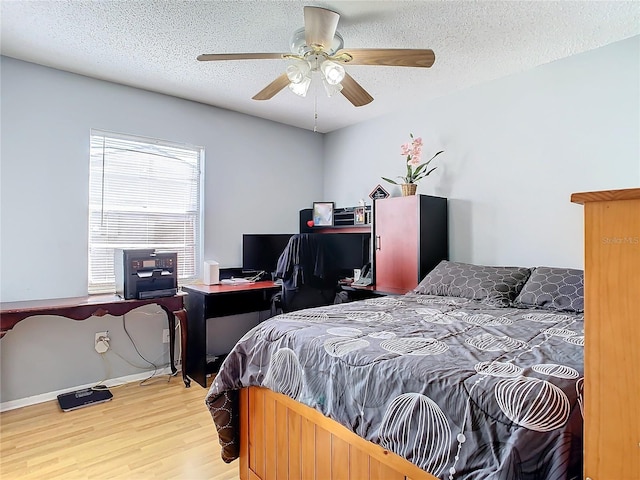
x=309, y=278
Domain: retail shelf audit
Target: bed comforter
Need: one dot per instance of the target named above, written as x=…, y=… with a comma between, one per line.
x=461, y=389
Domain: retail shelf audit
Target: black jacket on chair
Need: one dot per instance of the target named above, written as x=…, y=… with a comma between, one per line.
x=309, y=278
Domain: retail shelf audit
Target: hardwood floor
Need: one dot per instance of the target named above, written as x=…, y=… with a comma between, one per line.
x=159, y=431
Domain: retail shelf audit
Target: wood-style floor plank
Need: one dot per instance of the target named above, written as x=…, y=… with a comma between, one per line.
x=157, y=431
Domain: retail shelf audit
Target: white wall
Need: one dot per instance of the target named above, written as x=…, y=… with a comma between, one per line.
x=253, y=184
x=515, y=150
x=46, y=118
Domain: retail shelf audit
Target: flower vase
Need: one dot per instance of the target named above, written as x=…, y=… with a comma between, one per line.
x=408, y=189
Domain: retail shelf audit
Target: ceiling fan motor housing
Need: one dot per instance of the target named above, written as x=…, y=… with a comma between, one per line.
x=299, y=46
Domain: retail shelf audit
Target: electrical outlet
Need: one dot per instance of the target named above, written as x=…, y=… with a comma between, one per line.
x=165, y=335
x=102, y=342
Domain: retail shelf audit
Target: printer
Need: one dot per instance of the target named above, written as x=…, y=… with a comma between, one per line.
x=143, y=274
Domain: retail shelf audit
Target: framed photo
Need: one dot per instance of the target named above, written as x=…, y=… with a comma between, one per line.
x=359, y=216
x=322, y=214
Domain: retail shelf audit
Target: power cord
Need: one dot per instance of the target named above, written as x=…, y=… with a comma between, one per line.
x=100, y=385
x=155, y=367
x=257, y=276
x=124, y=326
x=103, y=346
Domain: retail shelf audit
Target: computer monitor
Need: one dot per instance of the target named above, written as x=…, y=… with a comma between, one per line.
x=260, y=252
x=348, y=250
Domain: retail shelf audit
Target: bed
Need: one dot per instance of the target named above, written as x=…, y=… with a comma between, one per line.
x=475, y=374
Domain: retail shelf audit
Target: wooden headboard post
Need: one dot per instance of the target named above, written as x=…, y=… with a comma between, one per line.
x=612, y=333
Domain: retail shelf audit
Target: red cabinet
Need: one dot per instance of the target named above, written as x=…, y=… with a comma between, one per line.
x=410, y=238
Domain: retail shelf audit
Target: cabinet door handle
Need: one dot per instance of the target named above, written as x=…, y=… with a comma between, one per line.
x=377, y=242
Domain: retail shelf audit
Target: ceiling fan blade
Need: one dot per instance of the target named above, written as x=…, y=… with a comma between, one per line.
x=354, y=92
x=207, y=57
x=274, y=87
x=320, y=26
x=392, y=57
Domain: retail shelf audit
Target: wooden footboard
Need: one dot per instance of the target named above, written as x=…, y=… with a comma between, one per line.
x=283, y=439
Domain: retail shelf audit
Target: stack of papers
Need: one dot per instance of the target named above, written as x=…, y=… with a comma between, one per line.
x=235, y=281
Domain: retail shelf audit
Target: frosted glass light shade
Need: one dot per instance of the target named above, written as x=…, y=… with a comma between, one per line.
x=333, y=72
x=298, y=71
x=331, y=89
x=300, y=88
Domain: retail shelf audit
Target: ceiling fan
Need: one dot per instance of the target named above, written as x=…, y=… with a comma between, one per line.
x=318, y=47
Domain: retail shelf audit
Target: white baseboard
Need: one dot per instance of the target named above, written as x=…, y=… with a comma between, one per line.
x=46, y=397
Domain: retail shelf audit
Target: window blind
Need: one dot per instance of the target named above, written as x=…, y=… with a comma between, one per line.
x=143, y=193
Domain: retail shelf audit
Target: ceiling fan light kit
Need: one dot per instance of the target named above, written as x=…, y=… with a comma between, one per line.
x=318, y=47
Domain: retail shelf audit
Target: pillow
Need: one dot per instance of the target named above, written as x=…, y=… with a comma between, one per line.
x=492, y=285
x=553, y=288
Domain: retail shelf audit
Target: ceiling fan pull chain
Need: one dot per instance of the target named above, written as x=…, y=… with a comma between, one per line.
x=315, y=107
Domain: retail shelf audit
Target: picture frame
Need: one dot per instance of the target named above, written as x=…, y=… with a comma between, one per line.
x=323, y=214
x=359, y=217
x=378, y=193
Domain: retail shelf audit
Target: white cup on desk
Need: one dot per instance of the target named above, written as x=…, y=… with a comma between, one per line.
x=356, y=274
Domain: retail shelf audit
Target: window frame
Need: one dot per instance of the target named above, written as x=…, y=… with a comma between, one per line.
x=98, y=287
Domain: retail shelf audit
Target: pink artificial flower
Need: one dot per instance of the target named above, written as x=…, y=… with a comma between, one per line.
x=412, y=151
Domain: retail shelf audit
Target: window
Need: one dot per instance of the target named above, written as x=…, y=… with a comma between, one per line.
x=143, y=193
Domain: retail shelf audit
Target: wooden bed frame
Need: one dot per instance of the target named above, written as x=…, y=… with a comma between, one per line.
x=284, y=439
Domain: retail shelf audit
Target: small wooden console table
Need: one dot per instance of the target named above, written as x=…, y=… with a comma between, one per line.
x=81, y=308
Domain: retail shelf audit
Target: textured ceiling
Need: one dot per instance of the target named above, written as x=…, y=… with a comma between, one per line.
x=153, y=45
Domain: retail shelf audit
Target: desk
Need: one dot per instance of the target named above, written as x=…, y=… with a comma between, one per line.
x=359, y=292
x=81, y=308
x=207, y=301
